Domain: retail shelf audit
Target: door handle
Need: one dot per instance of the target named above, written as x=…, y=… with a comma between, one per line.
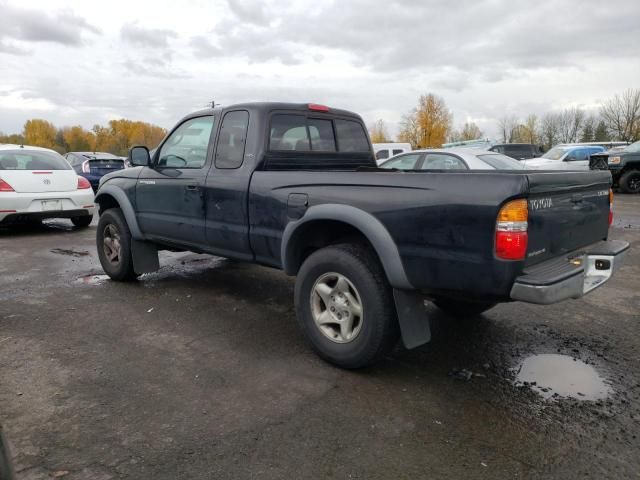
x=191, y=187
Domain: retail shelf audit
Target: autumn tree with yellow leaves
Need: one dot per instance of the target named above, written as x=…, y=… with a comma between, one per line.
x=427, y=125
x=115, y=138
x=378, y=132
x=40, y=133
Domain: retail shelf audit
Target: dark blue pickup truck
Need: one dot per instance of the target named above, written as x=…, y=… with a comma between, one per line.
x=296, y=187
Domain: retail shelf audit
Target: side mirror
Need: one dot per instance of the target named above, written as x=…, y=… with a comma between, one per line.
x=139, y=156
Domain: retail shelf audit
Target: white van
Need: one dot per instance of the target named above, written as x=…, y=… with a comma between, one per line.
x=384, y=151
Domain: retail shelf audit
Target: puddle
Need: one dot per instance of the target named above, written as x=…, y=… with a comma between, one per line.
x=71, y=253
x=564, y=376
x=92, y=279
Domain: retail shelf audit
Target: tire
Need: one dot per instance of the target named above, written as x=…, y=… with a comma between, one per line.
x=82, y=221
x=373, y=333
x=461, y=308
x=630, y=182
x=118, y=263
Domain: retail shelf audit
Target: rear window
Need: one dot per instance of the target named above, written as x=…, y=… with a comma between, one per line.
x=382, y=154
x=501, y=162
x=32, y=160
x=301, y=134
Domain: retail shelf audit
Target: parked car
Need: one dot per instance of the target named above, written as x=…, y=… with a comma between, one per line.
x=384, y=151
x=37, y=183
x=519, y=151
x=452, y=159
x=296, y=187
x=93, y=165
x=565, y=157
x=624, y=166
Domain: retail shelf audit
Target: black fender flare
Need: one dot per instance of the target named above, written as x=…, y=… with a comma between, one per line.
x=375, y=232
x=126, y=207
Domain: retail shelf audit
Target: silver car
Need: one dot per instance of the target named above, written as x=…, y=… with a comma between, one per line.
x=452, y=159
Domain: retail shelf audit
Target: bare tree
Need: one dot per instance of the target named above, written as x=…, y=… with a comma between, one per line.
x=549, y=129
x=570, y=123
x=621, y=115
x=507, y=125
x=530, y=129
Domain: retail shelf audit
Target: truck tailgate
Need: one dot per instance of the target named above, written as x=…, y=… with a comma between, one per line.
x=567, y=211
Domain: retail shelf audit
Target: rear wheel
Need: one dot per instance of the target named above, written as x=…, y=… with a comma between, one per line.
x=82, y=221
x=344, y=306
x=461, y=308
x=630, y=182
x=113, y=240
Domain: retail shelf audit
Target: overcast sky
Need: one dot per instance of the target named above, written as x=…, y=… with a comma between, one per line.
x=86, y=62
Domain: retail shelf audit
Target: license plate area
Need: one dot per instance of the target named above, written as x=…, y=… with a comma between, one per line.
x=49, y=205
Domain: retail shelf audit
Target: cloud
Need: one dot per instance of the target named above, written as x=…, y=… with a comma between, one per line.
x=28, y=25
x=147, y=37
x=153, y=67
x=413, y=36
x=203, y=48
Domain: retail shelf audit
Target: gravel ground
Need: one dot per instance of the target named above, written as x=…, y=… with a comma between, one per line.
x=199, y=371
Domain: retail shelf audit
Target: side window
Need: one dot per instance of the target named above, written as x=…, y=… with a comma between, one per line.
x=578, y=154
x=442, y=161
x=187, y=146
x=289, y=133
x=403, y=162
x=232, y=139
x=397, y=151
x=351, y=136
x=321, y=134
x=382, y=154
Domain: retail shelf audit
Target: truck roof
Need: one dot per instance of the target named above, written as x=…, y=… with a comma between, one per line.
x=265, y=107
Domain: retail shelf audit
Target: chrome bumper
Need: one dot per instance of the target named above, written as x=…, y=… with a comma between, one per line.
x=570, y=276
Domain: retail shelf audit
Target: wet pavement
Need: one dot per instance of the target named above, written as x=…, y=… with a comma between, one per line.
x=198, y=371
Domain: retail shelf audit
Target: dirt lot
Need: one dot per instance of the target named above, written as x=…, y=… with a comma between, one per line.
x=199, y=371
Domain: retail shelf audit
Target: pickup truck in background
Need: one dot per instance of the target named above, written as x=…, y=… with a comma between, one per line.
x=296, y=187
x=624, y=165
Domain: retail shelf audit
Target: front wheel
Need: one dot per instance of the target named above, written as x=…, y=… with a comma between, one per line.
x=630, y=182
x=461, y=308
x=113, y=240
x=344, y=306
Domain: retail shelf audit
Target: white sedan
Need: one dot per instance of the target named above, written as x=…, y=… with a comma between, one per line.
x=452, y=159
x=38, y=183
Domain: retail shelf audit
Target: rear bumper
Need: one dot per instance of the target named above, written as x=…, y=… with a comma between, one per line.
x=570, y=276
x=15, y=205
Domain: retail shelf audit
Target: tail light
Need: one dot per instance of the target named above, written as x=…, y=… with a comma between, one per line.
x=5, y=187
x=85, y=166
x=83, y=183
x=610, y=207
x=511, y=230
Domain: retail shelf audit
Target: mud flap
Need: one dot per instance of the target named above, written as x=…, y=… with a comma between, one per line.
x=412, y=317
x=145, y=256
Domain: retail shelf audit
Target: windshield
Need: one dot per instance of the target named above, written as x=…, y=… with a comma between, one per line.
x=20, y=159
x=555, y=153
x=501, y=162
x=633, y=148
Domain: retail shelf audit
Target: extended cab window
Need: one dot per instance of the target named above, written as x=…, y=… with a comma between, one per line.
x=187, y=146
x=351, y=136
x=232, y=139
x=301, y=134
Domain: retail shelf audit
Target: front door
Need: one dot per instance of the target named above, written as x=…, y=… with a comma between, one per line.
x=170, y=194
